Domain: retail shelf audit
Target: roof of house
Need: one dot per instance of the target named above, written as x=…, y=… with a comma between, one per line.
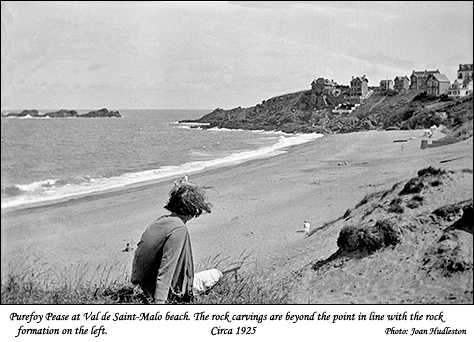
x=401, y=77
x=460, y=83
x=424, y=73
x=361, y=79
x=386, y=81
x=324, y=80
x=465, y=67
x=440, y=77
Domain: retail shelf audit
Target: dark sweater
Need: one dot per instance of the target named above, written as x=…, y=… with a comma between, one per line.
x=163, y=262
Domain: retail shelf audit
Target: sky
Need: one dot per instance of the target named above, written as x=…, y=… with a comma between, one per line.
x=204, y=55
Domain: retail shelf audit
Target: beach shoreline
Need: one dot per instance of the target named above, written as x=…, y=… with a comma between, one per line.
x=258, y=206
x=130, y=180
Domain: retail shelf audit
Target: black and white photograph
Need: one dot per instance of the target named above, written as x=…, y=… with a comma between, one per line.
x=257, y=168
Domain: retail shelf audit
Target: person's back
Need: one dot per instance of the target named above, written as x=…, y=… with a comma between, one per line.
x=163, y=263
x=164, y=257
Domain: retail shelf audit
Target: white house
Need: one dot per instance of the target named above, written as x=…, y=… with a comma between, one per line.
x=460, y=88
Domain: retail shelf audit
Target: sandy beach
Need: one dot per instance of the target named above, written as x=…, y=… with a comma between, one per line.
x=258, y=207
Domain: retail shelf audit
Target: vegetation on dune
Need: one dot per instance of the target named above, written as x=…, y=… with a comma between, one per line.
x=427, y=176
x=368, y=238
x=431, y=171
x=396, y=206
x=413, y=186
x=437, y=242
x=449, y=254
x=369, y=197
x=415, y=202
x=25, y=285
x=247, y=289
x=33, y=282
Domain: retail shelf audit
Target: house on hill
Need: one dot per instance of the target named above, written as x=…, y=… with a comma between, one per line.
x=401, y=83
x=386, y=85
x=460, y=88
x=465, y=72
x=437, y=84
x=359, y=87
x=418, y=79
x=323, y=86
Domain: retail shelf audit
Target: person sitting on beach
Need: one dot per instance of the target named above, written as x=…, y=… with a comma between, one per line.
x=306, y=227
x=163, y=266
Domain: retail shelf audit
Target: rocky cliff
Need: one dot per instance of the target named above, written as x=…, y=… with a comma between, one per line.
x=306, y=112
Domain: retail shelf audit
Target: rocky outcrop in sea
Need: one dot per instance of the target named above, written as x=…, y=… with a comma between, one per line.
x=65, y=113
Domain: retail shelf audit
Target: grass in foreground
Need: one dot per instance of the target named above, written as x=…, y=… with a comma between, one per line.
x=30, y=285
x=34, y=282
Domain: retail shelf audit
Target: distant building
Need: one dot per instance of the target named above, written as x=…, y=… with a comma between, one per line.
x=386, y=85
x=323, y=86
x=401, y=83
x=465, y=72
x=359, y=87
x=418, y=79
x=460, y=88
x=437, y=84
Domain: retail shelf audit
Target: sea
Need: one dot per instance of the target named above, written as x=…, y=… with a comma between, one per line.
x=54, y=159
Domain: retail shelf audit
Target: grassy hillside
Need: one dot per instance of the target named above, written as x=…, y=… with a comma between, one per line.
x=413, y=110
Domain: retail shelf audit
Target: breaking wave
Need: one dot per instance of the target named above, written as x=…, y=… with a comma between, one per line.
x=57, y=189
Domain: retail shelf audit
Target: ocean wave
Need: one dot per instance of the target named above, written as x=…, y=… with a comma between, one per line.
x=273, y=132
x=57, y=189
x=190, y=127
x=10, y=191
x=29, y=117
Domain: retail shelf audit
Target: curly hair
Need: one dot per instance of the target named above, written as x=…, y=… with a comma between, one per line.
x=187, y=199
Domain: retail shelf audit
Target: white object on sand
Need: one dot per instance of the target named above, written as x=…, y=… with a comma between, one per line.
x=305, y=229
x=306, y=226
x=182, y=180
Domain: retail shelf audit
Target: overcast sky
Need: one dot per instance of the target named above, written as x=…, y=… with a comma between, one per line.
x=203, y=55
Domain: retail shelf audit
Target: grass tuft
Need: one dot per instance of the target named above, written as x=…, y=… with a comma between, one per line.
x=415, y=202
x=396, y=206
x=369, y=239
x=431, y=171
x=413, y=186
x=369, y=197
